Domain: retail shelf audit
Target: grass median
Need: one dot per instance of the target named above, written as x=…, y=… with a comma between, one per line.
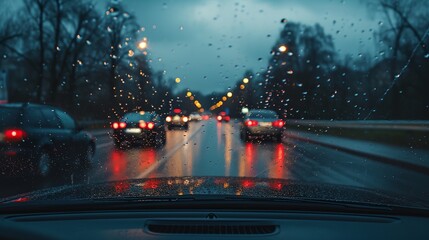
x=411, y=139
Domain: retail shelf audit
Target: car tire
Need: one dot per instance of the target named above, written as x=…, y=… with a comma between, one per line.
x=279, y=138
x=118, y=144
x=245, y=136
x=169, y=127
x=88, y=157
x=44, y=164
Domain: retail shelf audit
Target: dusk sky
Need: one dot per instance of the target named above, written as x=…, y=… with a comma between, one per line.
x=209, y=44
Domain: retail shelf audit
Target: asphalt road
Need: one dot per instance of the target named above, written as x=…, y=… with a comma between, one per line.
x=210, y=148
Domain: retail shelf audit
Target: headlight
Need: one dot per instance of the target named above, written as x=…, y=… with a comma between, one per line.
x=168, y=119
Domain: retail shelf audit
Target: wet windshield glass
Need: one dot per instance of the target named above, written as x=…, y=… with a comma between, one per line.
x=135, y=117
x=262, y=115
x=272, y=95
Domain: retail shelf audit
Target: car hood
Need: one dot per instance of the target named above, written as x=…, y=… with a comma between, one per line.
x=212, y=186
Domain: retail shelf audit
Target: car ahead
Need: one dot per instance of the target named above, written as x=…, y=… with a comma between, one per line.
x=41, y=140
x=139, y=127
x=223, y=117
x=206, y=116
x=177, y=119
x=262, y=123
x=195, y=117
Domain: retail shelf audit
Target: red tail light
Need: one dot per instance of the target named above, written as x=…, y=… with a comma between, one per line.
x=219, y=118
x=227, y=118
x=278, y=123
x=150, y=125
x=142, y=125
x=117, y=125
x=251, y=123
x=14, y=135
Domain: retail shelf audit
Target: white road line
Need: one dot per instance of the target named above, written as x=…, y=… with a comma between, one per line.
x=168, y=155
x=103, y=145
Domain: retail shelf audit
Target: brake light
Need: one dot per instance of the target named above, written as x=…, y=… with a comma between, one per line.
x=168, y=119
x=177, y=110
x=142, y=124
x=185, y=119
x=251, y=123
x=13, y=135
x=150, y=125
x=219, y=118
x=227, y=118
x=117, y=125
x=278, y=123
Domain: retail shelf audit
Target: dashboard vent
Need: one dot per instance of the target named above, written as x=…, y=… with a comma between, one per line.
x=211, y=228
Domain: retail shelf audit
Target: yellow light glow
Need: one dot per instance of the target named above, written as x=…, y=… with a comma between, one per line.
x=282, y=48
x=245, y=80
x=130, y=53
x=242, y=86
x=188, y=94
x=229, y=94
x=178, y=80
x=142, y=45
x=224, y=98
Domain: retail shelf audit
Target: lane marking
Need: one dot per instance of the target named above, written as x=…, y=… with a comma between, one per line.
x=103, y=145
x=168, y=155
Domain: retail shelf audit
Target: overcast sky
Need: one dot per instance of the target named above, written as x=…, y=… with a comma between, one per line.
x=210, y=43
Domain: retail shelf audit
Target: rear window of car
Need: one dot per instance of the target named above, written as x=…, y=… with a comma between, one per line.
x=262, y=115
x=10, y=117
x=33, y=117
x=135, y=117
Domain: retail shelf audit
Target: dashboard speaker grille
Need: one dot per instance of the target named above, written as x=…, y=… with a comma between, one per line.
x=211, y=228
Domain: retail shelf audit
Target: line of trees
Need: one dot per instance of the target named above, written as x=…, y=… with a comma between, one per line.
x=70, y=54
x=307, y=79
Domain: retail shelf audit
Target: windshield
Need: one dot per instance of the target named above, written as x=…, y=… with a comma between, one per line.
x=321, y=92
x=262, y=115
x=135, y=117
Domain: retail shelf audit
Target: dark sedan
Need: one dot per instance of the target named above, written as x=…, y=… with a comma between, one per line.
x=139, y=127
x=177, y=119
x=262, y=123
x=41, y=140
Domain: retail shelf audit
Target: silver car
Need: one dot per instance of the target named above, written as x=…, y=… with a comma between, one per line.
x=262, y=123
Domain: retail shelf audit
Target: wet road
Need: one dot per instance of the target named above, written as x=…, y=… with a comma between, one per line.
x=210, y=148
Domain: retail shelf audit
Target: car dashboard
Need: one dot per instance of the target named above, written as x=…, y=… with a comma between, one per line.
x=209, y=224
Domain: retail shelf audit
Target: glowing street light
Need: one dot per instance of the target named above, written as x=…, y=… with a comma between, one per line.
x=282, y=48
x=178, y=80
x=229, y=94
x=245, y=80
x=242, y=86
x=188, y=94
x=224, y=98
x=142, y=44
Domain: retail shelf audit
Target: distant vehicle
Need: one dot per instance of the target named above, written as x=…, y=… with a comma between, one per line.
x=195, y=117
x=139, y=127
x=41, y=139
x=262, y=123
x=223, y=117
x=177, y=119
x=206, y=116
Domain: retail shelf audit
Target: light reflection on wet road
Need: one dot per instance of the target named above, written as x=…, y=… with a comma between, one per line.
x=210, y=148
